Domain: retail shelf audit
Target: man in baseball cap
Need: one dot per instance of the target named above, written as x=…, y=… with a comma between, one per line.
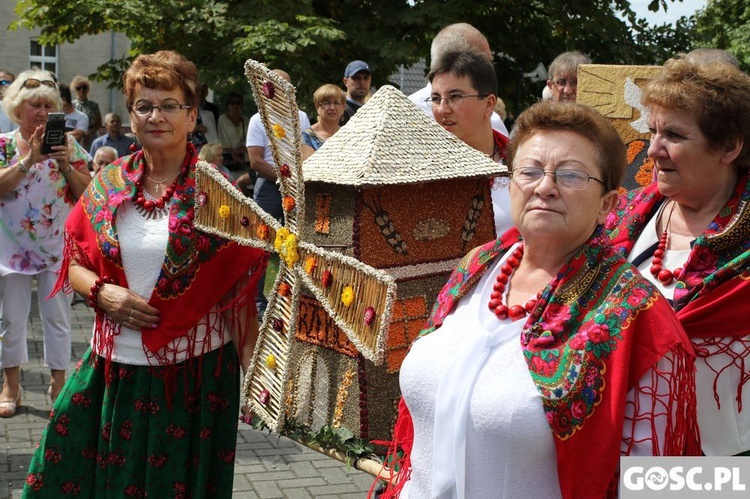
x=357, y=80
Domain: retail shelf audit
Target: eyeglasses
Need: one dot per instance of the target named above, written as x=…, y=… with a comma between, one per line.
x=453, y=100
x=5, y=83
x=145, y=109
x=34, y=83
x=575, y=180
x=562, y=83
x=326, y=103
x=82, y=87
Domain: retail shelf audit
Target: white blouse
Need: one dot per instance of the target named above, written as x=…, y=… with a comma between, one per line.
x=143, y=243
x=479, y=423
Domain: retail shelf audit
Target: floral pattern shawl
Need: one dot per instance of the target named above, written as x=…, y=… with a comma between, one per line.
x=713, y=290
x=199, y=269
x=597, y=328
x=32, y=216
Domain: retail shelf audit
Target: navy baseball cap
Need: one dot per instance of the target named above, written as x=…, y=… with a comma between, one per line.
x=355, y=67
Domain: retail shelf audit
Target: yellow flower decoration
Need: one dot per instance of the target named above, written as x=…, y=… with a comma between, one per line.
x=310, y=264
x=224, y=211
x=271, y=361
x=278, y=131
x=286, y=244
x=347, y=296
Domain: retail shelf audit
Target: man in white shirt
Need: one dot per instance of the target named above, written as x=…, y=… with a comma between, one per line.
x=266, y=190
x=448, y=37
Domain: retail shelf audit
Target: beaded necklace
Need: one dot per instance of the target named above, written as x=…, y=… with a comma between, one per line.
x=496, y=305
x=665, y=276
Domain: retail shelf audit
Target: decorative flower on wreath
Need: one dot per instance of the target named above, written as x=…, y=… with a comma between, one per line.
x=284, y=289
x=224, y=211
x=310, y=264
x=278, y=131
x=268, y=90
x=288, y=203
x=347, y=296
x=262, y=231
x=271, y=361
x=286, y=245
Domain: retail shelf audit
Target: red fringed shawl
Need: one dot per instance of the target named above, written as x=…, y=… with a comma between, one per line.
x=603, y=326
x=713, y=290
x=199, y=270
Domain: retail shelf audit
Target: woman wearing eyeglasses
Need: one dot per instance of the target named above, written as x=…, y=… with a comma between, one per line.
x=547, y=356
x=152, y=407
x=330, y=102
x=37, y=192
x=464, y=93
x=689, y=232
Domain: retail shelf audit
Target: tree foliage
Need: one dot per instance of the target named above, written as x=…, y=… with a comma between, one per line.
x=314, y=39
x=725, y=24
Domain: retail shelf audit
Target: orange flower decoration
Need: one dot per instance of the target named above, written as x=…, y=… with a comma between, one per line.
x=262, y=231
x=310, y=264
x=284, y=289
x=288, y=203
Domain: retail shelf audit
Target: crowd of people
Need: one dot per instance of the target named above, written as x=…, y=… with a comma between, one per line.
x=597, y=324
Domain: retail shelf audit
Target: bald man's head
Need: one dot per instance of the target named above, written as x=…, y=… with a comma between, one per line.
x=459, y=37
x=283, y=74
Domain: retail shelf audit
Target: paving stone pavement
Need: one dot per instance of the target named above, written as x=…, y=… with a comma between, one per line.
x=267, y=465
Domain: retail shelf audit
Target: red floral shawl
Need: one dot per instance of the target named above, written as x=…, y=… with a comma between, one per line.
x=601, y=326
x=198, y=271
x=713, y=290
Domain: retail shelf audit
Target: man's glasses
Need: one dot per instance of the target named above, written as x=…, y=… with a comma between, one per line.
x=5, y=83
x=452, y=100
x=327, y=103
x=81, y=88
x=575, y=180
x=145, y=109
x=562, y=83
x=34, y=83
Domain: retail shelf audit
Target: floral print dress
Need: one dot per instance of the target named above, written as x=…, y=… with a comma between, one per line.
x=32, y=217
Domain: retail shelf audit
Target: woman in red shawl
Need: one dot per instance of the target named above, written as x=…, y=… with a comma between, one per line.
x=152, y=408
x=547, y=355
x=689, y=232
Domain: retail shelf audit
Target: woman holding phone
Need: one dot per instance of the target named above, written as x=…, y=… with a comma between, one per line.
x=37, y=191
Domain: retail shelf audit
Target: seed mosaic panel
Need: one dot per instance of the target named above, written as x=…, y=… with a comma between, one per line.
x=615, y=91
x=410, y=224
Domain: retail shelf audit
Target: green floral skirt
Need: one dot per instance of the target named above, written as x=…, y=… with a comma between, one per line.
x=164, y=432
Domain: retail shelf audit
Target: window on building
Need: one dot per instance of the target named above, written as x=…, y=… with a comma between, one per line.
x=44, y=57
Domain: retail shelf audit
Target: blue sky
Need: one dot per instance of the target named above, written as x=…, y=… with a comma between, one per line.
x=675, y=10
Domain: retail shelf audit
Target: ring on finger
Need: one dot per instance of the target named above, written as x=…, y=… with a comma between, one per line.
x=132, y=311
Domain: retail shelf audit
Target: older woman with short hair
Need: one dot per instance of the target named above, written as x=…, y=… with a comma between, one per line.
x=37, y=192
x=152, y=408
x=689, y=232
x=330, y=102
x=547, y=356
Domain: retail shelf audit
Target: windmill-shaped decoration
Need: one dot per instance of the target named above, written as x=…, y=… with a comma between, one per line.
x=356, y=296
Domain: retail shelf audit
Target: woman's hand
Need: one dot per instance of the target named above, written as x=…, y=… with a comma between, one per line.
x=35, y=155
x=61, y=154
x=127, y=308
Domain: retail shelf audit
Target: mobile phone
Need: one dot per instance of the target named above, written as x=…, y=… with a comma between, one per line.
x=54, y=133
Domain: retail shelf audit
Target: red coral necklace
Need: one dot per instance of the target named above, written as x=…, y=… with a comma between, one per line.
x=496, y=305
x=665, y=276
x=150, y=205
